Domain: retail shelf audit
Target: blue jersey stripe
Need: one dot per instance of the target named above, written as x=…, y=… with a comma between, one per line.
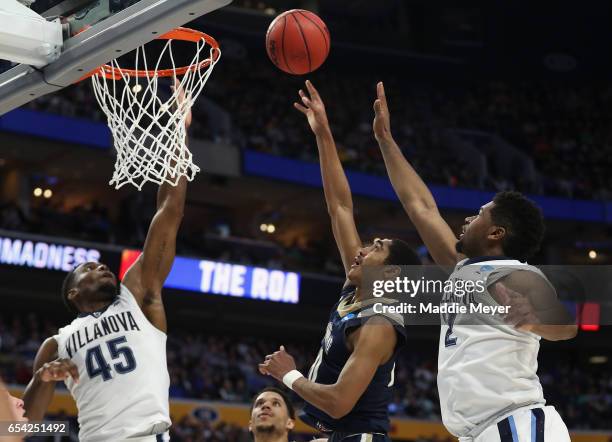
x=513, y=429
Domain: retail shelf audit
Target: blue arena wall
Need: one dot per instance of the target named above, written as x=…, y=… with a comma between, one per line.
x=97, y=135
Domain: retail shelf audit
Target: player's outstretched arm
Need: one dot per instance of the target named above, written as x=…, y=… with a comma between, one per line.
x=147, y=275
x=413, y=193
x=48, y=370
x=374, y=344
x=335, y=185
x=533, y=306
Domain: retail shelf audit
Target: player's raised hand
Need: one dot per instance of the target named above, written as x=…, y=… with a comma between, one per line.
x=382, y=120
x=521, y=313
x=314, y=108
x=58, y=370
x=181, y=100
x=278, y=364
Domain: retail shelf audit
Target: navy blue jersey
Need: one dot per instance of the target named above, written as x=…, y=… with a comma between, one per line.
x=370, y=413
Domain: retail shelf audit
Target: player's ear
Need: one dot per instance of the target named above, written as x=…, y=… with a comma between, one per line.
x=250, y=426
x=290, y=424
x=496, y=233
x=72, y=293
x=391, y=271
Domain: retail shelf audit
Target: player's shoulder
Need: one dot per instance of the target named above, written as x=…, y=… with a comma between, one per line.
x=125, y=296
x=377, y=313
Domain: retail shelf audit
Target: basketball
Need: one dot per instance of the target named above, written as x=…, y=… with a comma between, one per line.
x=298, y=42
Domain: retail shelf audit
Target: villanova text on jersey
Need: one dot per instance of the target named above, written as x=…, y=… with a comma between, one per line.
x=119, y=322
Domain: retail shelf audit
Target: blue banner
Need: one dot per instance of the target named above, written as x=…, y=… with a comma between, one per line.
x=57, y=127
x=287, y=169
x=220, y=278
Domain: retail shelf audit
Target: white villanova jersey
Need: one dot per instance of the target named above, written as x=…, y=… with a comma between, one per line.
x=123, y=388
x=486, y=369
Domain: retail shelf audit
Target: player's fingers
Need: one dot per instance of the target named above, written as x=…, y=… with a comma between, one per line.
x=382, y=95
x=311, y=89
x=377, y=108
x=517, y=317
x=503, y=298
x=512, y=318
x=301, y=108
x=502, y=293
x=262, y=369
x=525, y=325
x=268, y=357
x=74, y=372
x=511, y=293
x=282, y=348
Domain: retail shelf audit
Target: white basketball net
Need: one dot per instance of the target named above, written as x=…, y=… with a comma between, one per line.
x=148, y=131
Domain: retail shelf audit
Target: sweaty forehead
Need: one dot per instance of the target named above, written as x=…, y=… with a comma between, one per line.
x=488, y=206
x=268, y=395
x=384, y=241
x=82, y=266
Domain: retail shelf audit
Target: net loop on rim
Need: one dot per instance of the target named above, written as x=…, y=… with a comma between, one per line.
x=146, y=118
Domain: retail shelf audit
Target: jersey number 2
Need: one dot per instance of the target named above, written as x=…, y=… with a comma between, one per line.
x=97, y=365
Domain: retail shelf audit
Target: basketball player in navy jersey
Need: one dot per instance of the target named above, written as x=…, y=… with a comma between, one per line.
x=487, y=364
x=112, y=357
x=349, y=385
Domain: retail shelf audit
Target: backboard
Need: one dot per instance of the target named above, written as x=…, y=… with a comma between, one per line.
x=104, y=30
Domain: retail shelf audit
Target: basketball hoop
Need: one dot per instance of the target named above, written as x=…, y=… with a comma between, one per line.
x=148, y=130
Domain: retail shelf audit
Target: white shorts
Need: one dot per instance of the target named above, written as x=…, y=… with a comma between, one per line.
x=528, y=425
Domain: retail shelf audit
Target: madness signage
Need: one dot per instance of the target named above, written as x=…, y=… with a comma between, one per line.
x=24, y=252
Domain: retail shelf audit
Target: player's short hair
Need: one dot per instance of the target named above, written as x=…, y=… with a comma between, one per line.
x=401, y=254
x=523, y=221
x=281, y=393
x=67, y=285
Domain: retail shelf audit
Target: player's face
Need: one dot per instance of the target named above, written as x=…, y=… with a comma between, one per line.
x=374, y=254
x=270, y=415
x=16, y=406
x=475, y=232
x=95, y=282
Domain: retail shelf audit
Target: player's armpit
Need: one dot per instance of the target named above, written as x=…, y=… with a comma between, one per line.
x=373, y=344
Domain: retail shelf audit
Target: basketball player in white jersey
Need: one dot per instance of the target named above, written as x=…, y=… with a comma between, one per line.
x=112, y=357
x=487, y=381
